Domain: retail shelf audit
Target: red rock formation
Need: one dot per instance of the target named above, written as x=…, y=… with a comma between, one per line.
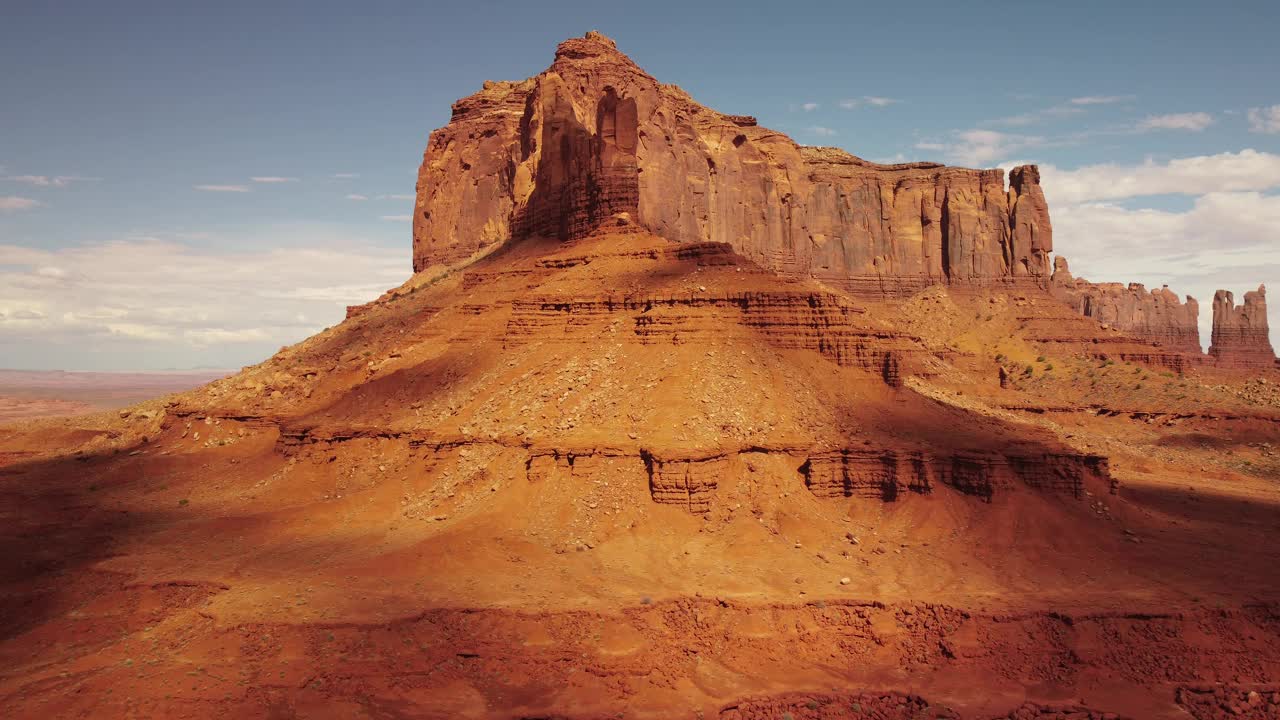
x=887, y=473
x=595, y=142
x=1240, y=335
x=1157, y=316
x=822, y=322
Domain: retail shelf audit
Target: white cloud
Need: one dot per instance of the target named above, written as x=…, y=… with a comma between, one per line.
x=1265, y=120
x=223, y=188
x=1215, y=221
x=809, y=106
x=398, y=197
x=48, y=181
x=10, y=203
x=147, y=303
x=397, y=218
x=1225, y=240
x=1231, y=172
x=979, y=147
x=345, y=176
x=872, y=100
x=1193, y=121
x=357, y=196
x=1101, y=99
x=821, y=131
x=273, y=179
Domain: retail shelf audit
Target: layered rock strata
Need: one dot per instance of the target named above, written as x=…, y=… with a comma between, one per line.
x=594, y=142
x=690, y=479
x=821, y=322
x=885, y=474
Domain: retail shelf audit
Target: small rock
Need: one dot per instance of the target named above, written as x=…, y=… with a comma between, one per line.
x=845, y=581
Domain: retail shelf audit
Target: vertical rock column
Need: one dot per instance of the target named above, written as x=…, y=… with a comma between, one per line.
x=1240, y=334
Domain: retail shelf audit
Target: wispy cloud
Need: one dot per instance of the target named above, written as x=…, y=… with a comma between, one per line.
x=821, y=131
x=1193, y=121
x=11, y=203
x=273, y=179
x=1101, y=99
x=1265, y=120
x=223, y=188
x=397, y=218
x=47, y=180
x=1033, y=117
x=810, y=106
x=979, y=147
x=397, y=197
x=867, y=100
x=345, y=176
x=357, y=196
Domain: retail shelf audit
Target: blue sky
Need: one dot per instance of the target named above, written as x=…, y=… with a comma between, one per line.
x=186, y=185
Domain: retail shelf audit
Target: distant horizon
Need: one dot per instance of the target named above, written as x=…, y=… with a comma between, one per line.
x=158, y=371
x=190, y=188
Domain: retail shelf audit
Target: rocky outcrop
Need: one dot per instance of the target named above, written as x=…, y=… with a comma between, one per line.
x=884, y=474
x=821, y=322
x=1240, y=334
x=1157, y=316
x=595, y=143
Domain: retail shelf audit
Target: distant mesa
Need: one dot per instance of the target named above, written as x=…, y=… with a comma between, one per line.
x=1157, y=315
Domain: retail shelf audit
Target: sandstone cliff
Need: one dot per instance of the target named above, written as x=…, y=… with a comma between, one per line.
x=1158, y=315
x=1240, y=334
x=594, y=141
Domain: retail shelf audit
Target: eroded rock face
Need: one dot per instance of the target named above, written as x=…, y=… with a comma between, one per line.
x=594, y=142
x=1240, y=334
x=1158, y=315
